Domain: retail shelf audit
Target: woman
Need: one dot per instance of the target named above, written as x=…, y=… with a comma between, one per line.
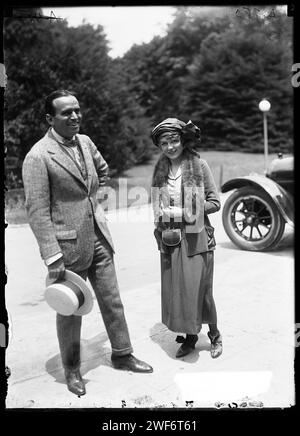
x=183, y=194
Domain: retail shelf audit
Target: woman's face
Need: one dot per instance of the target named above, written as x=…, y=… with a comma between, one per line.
x=170, y=144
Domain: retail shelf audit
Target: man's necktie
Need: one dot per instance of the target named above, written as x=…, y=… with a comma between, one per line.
x=73, y=144
x=70, y=142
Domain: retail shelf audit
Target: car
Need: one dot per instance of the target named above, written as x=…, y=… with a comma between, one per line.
x=255, y=214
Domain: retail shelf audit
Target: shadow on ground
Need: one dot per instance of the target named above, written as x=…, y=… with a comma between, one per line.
x=167, y=342
x=94, y=353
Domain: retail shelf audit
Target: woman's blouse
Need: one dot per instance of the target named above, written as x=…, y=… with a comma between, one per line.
x=174, y=186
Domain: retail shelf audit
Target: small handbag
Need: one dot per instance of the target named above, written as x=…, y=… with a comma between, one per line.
x=171, y=237
x=211, y=242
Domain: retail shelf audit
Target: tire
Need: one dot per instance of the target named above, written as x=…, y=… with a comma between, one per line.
x=252, y=220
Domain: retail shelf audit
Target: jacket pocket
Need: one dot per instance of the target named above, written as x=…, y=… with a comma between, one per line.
x=64, y=235
x=68, y=243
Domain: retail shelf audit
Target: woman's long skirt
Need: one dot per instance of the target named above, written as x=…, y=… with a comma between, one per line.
x=187, y=290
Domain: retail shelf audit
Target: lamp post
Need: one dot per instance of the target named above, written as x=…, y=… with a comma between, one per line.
x=265, y=106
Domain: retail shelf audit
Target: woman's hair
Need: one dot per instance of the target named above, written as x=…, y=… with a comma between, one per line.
x=49, y=108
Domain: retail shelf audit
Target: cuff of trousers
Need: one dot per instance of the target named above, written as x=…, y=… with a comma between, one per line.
x=122, y=352
x=73, y=367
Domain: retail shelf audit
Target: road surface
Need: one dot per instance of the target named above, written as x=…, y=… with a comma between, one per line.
x=254, y=294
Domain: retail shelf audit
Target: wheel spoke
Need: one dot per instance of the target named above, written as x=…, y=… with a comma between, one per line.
x=265, y=225
x=251, y=204
x=244, y=223
x=262, y=208
x=245, y=204
x=242, y=208
x=252, y=218
x=244, y=226
x=260, y=234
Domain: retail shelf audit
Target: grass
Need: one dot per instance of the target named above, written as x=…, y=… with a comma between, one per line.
x=224, y=166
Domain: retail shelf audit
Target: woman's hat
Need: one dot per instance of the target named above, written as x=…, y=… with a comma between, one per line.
x=189, y=132
x=70, y=296
x=167, y=125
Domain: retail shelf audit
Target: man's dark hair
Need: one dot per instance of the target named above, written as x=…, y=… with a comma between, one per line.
x=49, y=109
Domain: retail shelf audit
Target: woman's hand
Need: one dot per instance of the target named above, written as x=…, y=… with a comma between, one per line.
x=172, y=212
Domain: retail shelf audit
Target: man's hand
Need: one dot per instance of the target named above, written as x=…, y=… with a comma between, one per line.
x=57, y=270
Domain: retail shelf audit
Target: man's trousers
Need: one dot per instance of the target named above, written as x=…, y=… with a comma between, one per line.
x=102, y=276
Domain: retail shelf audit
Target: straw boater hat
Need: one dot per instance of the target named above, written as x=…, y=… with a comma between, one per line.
x=70, y=296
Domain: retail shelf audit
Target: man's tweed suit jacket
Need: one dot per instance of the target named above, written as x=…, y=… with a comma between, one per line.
x=61, y=205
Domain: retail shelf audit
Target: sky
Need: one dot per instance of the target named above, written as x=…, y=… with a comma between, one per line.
x=123, y=25
x=126, y=25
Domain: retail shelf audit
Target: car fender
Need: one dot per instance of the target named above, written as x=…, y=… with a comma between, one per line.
x=279, y=195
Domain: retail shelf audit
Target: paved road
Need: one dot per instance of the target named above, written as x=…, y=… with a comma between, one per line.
x=254, y=297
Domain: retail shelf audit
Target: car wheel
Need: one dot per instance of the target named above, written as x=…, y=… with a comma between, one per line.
x=252, y=220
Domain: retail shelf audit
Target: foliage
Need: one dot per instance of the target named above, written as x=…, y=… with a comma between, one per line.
x=213, y=66
x=50, y=56
x=229, y=77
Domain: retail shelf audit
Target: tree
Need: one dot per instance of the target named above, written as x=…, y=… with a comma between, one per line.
x=157, y=71
x=51, y=56
x=233, y=72
x=214, y=65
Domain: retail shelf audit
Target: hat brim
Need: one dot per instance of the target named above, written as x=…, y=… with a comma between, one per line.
x=77, y=280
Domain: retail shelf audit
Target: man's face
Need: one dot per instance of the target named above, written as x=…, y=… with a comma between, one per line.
x=67, y=118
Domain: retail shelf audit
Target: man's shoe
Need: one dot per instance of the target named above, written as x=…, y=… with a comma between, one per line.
x=74, y=382
x=188, y=345
x=216, y=345
x=130, y=363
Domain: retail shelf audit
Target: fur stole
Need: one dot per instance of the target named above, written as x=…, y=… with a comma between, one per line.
x=191, y=171
x=192, y=184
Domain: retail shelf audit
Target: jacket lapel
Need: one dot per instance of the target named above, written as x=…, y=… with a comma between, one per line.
x=62, y=158
x=88, y=161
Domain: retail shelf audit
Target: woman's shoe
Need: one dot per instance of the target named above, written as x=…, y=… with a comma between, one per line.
x=216, y=345
x=188, y=345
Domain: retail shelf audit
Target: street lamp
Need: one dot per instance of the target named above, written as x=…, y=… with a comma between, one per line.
x=265, y=106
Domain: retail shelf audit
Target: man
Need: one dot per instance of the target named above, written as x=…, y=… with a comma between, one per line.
x=62, y=173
